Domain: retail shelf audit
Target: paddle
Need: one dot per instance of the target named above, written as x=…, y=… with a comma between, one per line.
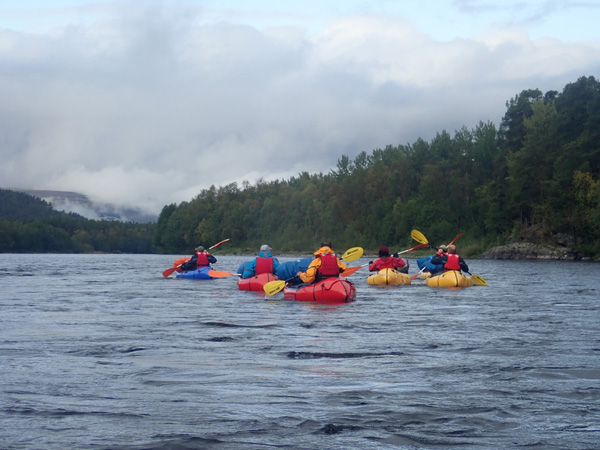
x=350, y=270
x=219, y=274
x=273, y=287
x=420, y=237
x=479, y=281
x=417, y=274
x=168, y=272
x=352, y=254
x=460, y=235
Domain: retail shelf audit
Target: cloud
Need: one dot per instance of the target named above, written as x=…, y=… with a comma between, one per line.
x=147, y=107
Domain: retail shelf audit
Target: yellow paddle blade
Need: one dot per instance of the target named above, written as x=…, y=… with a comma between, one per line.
x=353, y=254
x=479, y=281
x=419, y=237
x=273, y=287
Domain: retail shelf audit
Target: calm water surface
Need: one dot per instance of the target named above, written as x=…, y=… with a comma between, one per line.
x=102, y=352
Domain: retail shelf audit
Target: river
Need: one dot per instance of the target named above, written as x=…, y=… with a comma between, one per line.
x=102, y=352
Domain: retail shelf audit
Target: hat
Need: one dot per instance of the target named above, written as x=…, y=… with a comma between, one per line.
x=199, y=248
x=265, y=248
x=442, y=248
x=384, y=251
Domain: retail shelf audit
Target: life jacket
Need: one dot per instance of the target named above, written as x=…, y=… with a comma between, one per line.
x=202, y=260
x=329, y=267
x=387, y=263
x=452, y=263
x=263, y=265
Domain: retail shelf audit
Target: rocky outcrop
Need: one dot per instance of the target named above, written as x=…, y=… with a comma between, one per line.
x=526, y=250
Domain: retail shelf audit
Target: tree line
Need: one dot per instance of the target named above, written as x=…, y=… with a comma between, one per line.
x=534, y=178
x=30, y=225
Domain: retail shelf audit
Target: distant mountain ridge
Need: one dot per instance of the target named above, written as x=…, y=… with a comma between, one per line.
x=80, y=204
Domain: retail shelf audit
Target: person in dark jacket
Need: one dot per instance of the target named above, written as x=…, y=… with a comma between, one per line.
x=425, y=264
x=265, y=262
x=199, y=259
x=451, y=260
x=386, y=261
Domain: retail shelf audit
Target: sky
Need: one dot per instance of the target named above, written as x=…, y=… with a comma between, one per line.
x=146, y=103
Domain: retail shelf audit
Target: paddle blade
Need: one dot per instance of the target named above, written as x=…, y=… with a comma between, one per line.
x=419, y=237
x=414, y=277
x=453, y=240
x=218, y=274
x=349, y=271
x=168, y=272
x=219, y=243
x=353, y=254
x=479, y=281
x=273, y=287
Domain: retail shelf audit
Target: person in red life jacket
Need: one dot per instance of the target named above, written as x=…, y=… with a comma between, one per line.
x=199, y=259
x=451, y=260
x=325, y=265
x=265, y=262
x=386, y=261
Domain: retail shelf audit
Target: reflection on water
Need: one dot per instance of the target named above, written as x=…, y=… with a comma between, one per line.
x=100, y=351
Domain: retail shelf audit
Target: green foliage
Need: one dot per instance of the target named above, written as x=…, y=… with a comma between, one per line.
x=539, y=172
x=535, y=177
x=30, y=225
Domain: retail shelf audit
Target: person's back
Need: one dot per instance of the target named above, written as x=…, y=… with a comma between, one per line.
x=452, y=261
x=264, y=262
x=386, y=261
x=199, y=259
x=325, y=265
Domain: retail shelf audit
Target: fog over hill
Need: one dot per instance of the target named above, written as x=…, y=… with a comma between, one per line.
x=82, y=205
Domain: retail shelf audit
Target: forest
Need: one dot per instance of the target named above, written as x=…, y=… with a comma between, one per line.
x=30, y=225
x=533, y=178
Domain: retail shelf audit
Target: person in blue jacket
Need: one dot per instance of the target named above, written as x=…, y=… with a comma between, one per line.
x=426, y=264
x=265, y=262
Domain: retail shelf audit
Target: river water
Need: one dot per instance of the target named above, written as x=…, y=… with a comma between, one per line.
x=102, y=352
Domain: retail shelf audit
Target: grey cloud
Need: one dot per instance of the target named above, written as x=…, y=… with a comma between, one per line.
x=148, y=109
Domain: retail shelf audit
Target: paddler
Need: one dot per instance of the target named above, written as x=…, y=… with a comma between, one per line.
x=264, y=262
x=199, y=259
x=386, y=261
x=451, y=260
x=325, y=265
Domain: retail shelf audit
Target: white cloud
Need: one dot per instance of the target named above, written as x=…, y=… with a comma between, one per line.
x=147, y=108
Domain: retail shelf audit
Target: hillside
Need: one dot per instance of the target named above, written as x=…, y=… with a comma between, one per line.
x=80, y=204
x=29, y=224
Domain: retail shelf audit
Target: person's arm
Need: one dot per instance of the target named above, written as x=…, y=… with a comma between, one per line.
x=190, y=264
x=311, y=273
x=463, y=264
x=398, y=262
x=439, y=260
x=250, y=269
x=211, y=258
x=341, y=265
x=374, y=266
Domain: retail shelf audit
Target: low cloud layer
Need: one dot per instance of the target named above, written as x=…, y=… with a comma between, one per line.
x=148, y=107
